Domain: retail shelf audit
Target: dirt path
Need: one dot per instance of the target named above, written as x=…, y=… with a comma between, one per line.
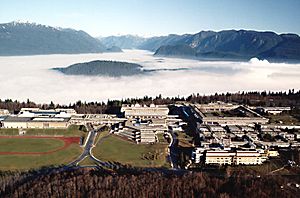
x=67, y=142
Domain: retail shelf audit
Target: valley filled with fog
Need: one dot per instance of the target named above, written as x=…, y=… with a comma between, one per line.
x=30, y=77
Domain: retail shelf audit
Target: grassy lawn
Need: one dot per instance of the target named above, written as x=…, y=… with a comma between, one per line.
x=25, y=162
x=266, y=167
x=263, y=169
x=161, y=139
x=285, y=119
x=100, y=136
x=72, y=130
x=87, y=162
x=184, y=139
x=29, y=145
x=116, y=149
x=9, y=131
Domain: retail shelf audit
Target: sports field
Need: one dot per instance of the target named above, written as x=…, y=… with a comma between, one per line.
x=30, y=152
x=116, y=149
x=29, y=145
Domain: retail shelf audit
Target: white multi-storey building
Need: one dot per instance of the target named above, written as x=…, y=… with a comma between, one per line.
x=219, y=157
x=143, y=111
x=249, y=158
x=223, y=157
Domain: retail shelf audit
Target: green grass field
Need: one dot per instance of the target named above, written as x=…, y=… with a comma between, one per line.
x=100, y=136
x=115, y=149
x=184, y=139
x=161, y=138
x=9, y=131
x=29, y=145
x=87, y=162
x=72, y=130
x=284, y=119
x=263, y=169
x=25, y=162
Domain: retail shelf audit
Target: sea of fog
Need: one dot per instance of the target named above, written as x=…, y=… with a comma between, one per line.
x=30, y=77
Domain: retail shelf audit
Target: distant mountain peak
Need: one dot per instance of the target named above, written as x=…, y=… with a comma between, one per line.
x=18, y=22
x=26, y=38
x=228, y=44
x=34, y=24
x=123, y=41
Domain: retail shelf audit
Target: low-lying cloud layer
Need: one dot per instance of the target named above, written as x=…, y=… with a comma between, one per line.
x=24, y=77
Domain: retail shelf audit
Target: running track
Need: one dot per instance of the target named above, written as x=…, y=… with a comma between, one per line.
x=67, y=142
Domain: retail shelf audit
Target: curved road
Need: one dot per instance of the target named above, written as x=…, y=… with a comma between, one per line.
x=173, y=150
x=89, y=144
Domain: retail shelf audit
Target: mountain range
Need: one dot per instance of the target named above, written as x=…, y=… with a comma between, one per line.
x=29, y=38
x=123, y=41
x=227, y=44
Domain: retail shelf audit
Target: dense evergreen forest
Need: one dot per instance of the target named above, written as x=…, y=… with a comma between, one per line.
x=86, y=182
x=290, y=98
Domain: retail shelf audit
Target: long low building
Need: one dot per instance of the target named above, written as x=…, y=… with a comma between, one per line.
x=239, y=157
x=249, y=158
x=82, y=119
x=39, y=118
x=219, y=157
x=236, y=115
x=142, y=111
x=273, y=110
x=35, y=122
x=217, y=106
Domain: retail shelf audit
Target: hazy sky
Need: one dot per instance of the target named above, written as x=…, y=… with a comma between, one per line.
x=156, y=17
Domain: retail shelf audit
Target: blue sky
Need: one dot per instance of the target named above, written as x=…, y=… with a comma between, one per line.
x=156, y=17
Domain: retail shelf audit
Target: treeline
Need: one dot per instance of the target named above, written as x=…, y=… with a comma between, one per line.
x=290, y=98
x=80, y=107
x=94, y=183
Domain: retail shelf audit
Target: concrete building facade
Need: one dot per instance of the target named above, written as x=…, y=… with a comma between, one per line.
x=38, y=118
x=247, y=118
x=239, y=157
x=144, y=112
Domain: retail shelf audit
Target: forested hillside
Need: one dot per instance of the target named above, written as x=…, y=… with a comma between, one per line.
x=102, y=68
x=94, y=183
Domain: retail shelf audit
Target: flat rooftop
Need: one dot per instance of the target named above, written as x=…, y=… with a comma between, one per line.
x=237, y=112
x=34, y=119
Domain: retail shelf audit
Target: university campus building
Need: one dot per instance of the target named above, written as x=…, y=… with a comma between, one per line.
x=38, y=118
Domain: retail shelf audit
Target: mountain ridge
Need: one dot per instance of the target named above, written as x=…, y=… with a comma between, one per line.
x=239, y=44
x=123, y=41
x=32, y=39
x=225, y=44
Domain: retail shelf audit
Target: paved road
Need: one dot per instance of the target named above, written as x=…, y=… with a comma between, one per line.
x=88, y=145
x=173, y=150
